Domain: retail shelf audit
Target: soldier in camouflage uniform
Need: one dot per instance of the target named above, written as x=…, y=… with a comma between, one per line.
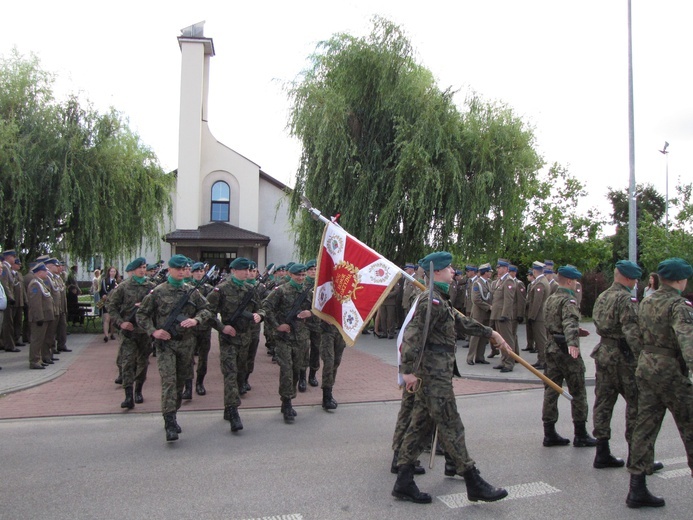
x=174, y=349
x=332, y=347
x=313, y=324
x=122, y=304
x=235, y=302
x=203, y=338
x=563, y=361
x=431, y=379
x=662, y=375
x=260, y=292
x=287, y=308
x=271, y=283
x=615, y=315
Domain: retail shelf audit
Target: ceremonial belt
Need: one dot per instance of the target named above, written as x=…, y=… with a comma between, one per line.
x=441, y=349
x=661, y=351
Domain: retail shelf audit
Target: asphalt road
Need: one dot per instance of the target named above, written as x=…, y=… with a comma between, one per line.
x=325, y=466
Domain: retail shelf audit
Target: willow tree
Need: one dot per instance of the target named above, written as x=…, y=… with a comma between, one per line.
x=387, y=149
x=73, y=180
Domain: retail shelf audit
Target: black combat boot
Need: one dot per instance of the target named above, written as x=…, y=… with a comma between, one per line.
x=241, y=384
x=302, y=380
x=639, y=495
x=405, y=487
x=450, y=467
x=128, y=403
x=394, y=468
x=328, y=402
x=551, y=438
x=604, y=458
x=479, y=489
x=287, y=411
x=235, y=419
x=138, y=393
x=199, y=385
x=170, y=427
x=187, y=390
x=312, y=380
x=175, y=423
x=248, y=388
x=119, y=379
x=583, y=439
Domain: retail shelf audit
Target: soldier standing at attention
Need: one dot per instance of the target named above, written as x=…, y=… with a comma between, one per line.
x=427, y=369
x=175, y=348
x=662, y=375
x=9, y=279
x=287, y=308
x=564, y=363
x=40, y=313
x=20, y=298
x=528, y=327
x=520, y=304
x=472, y=274
x=407, y=288
x=481, y=312
x=615, y=316
x=503, y=312
x=538, y=294
x=234, y=301
x=135, y=346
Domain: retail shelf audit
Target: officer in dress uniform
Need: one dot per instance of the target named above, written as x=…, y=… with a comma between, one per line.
x=8, y=278
x=40, y=304
x=20, y=297
x=482, y=298
x=520, y=304
x=538, y=294
x=503, y=311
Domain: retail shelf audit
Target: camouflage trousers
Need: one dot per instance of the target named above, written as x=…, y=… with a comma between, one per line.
x=174, y=358
x=233, y=353
x=404, y=418
x=611, y=381
x=313, y=360
x=331, y=349
x=435, y=397
x=134, y=355
x=203, y=343
x=655, y=397
x=252, y=348
x=291, y=357
x=562, y=367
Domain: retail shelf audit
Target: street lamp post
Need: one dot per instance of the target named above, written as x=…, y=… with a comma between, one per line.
x=665, y=152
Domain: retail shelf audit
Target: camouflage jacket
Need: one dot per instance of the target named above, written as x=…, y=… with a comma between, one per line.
x=278, y=304
x=562, y=317
x=666, y=323
x=121, y=301
x=225, y=300
x=441, y=330
x=158, y=304
x=615, y=315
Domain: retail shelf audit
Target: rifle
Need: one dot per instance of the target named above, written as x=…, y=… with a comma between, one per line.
x=175, y=317
x=241, y=312
x=292, y=314
x=266, y=274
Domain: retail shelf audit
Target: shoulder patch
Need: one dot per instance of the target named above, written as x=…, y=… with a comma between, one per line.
x=687, y=302
x=34, y=289
x=435, y=301
x=476, y=288
x=511, y=287
x=216, y=289
x=633, y=299
x=574, y=302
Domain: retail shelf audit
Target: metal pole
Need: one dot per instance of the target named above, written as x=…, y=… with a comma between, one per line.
x=632, y=234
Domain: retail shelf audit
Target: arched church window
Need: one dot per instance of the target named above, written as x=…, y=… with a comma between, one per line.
x=221, y=197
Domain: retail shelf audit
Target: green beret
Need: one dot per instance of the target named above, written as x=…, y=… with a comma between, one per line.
x=270, y=266
x=151, y=267
x=629, y=269
x=135, y=264
x=311, y=263
x=198, y=266
x=569, y=271
x=297, y=268
x=440, y=259
x=675, y=269
x=280, y=268
x=288, y=266
x=240, y=263
x=179, y=261
x=252, y=265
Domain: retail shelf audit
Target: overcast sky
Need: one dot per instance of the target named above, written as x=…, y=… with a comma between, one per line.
x=560, y=65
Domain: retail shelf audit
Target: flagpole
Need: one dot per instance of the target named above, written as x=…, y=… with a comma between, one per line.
x=317, y=215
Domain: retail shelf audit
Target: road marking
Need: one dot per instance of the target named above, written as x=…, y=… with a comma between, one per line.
x=533, y=489
x=674, y=473
x=295, y=516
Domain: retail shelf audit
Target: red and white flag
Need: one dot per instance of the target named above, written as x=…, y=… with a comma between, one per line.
x=352, y=281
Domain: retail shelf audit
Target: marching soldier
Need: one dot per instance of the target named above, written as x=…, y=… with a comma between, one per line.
x=482, y=298
x=234, y=301
x=123, y=303
x=427, y=368
x=203, y=338
x=563, y=362
x=175, y=348
x=286, y=310
x=662, y=375
x=503, y=311
x=313, y=324
x=259, y=294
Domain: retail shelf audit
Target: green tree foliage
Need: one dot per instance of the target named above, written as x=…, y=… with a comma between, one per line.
x=71, y=179
x=650, y=207
x=554, y=229
x=387, y=149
